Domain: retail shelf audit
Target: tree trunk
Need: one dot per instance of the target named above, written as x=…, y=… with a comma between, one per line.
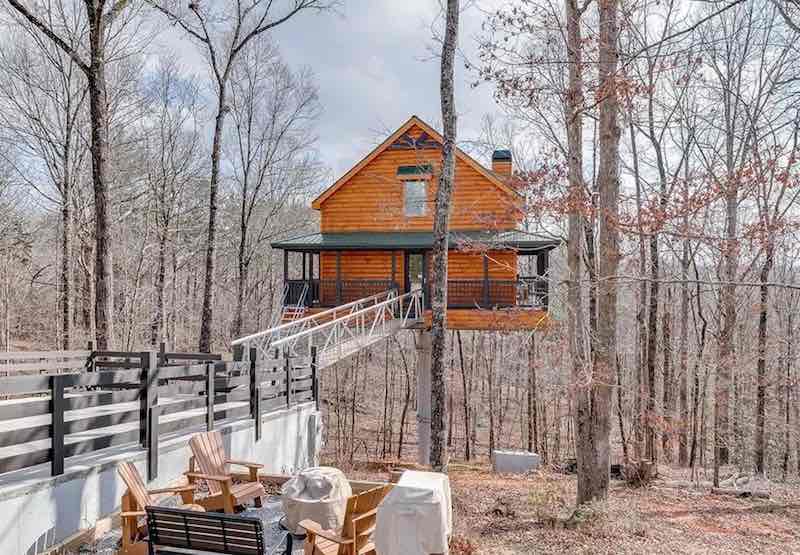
x=533, y=417
x=761, y=365
x=668, y=394
x=66, y=257
x=595, y=403
x=787, y=437
x=651, y=450
x=157, y=327
x=640, y=349
x=444, y=193
x=573, y=113
x=207, y=314
x=406, y=400
x=98, y=108
x=683, y=439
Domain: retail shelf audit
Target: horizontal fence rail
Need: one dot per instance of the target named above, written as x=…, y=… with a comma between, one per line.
x=115, y=398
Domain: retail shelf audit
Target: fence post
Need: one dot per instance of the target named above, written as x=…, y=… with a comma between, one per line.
x=288, y=365
x=90, y=363
x=162, y=354
x=152, y=442
x=210, y=394
x=148, y=392
x=258, y=413
x=314, y=376
x=57, y=424
x=254, y=391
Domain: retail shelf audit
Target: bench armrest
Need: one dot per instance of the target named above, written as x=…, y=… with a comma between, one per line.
x=132, y=514
x=315, y=529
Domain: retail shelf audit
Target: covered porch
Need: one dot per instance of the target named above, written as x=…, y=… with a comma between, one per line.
x=487, y=270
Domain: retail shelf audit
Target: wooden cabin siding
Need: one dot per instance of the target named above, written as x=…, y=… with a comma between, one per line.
x=502, y=265
x=469, y=265
x=509, y=319
x=362, y=265
x=372, y=200
x=358, y=265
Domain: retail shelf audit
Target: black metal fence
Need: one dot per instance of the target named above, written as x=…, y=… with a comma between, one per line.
x=159, y=388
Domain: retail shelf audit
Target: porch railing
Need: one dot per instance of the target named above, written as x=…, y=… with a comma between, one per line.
x=461, y=293
x=332, y=292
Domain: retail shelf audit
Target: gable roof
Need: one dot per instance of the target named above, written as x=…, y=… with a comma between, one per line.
x=431, y=138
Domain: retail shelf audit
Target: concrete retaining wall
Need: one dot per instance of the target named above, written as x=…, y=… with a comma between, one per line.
x=38, y=511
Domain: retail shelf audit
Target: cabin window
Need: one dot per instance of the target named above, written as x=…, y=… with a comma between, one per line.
x=415, y=198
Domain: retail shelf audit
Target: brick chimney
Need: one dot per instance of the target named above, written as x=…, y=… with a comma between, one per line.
x=502, y=163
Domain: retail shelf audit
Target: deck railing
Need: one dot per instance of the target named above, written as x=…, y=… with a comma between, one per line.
x=332, y=292
x=159, y=389
x=461, y=293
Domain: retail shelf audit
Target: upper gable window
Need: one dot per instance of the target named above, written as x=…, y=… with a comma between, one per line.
x=415, y=198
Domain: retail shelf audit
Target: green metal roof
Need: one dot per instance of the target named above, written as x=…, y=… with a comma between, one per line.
x=416, y=240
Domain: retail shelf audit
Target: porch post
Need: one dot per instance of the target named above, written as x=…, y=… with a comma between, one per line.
x=285, y=267
x=485, y=281
x=542, y=263
x=304, y=265
x=394, y=269
x=338, y=277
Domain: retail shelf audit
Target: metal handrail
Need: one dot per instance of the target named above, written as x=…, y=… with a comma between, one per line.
x=353, y=314
x=356, y=326
x=312, y=317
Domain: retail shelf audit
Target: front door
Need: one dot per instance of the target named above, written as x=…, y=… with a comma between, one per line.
x=416, y=273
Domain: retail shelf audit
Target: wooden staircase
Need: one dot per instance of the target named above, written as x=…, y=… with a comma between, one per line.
x=292, y=313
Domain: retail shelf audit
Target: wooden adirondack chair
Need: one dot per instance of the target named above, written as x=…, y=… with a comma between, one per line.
x=134, y=501
x=214, y=468
x=359, y=523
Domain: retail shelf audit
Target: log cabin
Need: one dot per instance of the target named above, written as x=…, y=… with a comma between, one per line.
x=376, y=225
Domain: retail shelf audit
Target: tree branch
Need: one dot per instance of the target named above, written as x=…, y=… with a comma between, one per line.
x=58, y=41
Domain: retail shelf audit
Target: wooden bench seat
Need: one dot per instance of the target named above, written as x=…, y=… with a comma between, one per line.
x=176, y=531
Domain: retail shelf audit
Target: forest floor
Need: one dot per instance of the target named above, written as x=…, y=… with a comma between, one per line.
x=504, y=514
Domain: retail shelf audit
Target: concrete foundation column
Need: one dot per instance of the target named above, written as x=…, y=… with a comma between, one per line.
x=423, y=397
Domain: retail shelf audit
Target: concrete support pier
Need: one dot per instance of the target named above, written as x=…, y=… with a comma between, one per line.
x=423, y=341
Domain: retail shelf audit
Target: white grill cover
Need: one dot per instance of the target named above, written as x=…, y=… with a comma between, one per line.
x=320, y=494
x=416, y=518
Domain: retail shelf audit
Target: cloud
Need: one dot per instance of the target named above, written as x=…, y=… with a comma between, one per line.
x=376, y=63
x=375, y=66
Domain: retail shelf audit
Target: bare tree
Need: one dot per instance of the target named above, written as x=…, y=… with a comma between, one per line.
x=272, y=152
x=44, y=105
x=223, y=31
x=173, y=168
x=441, y=219
x=593, y=440
x=101, y=16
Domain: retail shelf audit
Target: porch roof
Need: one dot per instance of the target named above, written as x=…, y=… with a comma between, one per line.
x=523, y=241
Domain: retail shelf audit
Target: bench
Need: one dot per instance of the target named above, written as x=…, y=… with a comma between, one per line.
x=174, y=531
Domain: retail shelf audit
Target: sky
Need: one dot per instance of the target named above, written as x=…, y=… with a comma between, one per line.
x=376, y=63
